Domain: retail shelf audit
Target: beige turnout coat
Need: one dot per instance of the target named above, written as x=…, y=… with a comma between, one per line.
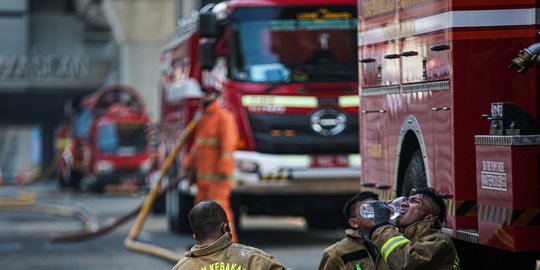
x=223, y=254
x=422, y=246
x=351, y=252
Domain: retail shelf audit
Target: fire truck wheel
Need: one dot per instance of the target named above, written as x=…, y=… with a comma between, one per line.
x=177, y=207
x=238, y=212
x=98, y=185
x=415, y=174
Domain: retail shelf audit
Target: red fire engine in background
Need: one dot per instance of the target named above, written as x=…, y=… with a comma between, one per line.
x=429, y=71
x=105, y=139
x=287, y=70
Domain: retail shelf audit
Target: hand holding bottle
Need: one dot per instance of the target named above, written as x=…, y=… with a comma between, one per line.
x=369, y=210
x=381, y=212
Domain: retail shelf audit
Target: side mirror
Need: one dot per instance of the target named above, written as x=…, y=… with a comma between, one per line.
x=207, y=22
x=206, y=52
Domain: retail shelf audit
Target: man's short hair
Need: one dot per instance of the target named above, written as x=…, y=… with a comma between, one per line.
x=437, y=199
x=206, y=217
x=348, y=209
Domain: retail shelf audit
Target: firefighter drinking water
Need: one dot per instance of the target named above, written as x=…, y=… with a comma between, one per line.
x=416, y=240
x=211, y=158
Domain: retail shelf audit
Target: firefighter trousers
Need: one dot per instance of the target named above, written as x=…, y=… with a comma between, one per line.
x=220, y=192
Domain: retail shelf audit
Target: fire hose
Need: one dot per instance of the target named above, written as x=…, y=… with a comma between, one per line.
x=27, y=202
x=22, y=199
x=142, y=210
x=49, y=170
x=56, y=210
x=29, y=198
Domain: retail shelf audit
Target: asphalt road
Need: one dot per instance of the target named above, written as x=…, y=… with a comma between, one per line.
x=24, y=236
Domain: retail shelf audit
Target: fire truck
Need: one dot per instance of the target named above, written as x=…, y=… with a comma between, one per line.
x=440, y=108
x=105, y=140
x=287, y=70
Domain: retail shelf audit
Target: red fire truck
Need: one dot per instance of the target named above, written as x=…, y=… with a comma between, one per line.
x=108, y=144
x=429, y=71
x=287, y=70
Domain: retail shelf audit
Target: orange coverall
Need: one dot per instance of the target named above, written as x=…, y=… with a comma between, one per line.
x=212, y=158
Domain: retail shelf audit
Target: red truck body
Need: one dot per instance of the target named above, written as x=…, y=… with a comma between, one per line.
x=429, y=70
x=288, y=73
x=108, y=135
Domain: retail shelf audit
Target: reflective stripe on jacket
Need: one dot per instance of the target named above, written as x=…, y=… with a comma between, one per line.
x=215, y=140
x=349, y=253
x=223, y=254
x=422, y=246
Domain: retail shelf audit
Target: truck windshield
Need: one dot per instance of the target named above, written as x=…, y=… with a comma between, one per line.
x=294, y=44
x=121, y=139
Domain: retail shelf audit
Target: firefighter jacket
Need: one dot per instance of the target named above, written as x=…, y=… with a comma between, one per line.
x=353, y=252
x=223, y=254
x=422, y=246
x=215, y=141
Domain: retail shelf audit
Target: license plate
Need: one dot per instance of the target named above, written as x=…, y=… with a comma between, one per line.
x=329, y=161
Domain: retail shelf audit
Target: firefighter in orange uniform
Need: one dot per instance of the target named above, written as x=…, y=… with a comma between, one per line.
x=211, y=156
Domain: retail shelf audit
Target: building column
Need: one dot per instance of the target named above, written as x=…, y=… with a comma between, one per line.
x=141, y=29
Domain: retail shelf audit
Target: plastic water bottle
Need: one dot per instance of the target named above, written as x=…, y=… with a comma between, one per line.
x=367, y=211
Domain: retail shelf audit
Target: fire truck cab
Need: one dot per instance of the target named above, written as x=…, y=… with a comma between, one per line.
x=108, y=140
x=288, y=73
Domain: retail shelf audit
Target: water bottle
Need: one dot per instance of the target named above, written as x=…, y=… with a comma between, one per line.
x=366, y=210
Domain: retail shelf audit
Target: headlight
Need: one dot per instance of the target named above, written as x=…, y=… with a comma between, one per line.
x=104, y=167
x=145, y=166
x=247, y=166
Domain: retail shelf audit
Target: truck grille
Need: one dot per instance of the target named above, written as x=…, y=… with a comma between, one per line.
x=293, y=134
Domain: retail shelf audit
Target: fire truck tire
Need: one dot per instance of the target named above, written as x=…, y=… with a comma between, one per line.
x=415, y=174
x=177, y=207
x=76, y=179
x=237, y=220
x=98, y=185
x=159, y=205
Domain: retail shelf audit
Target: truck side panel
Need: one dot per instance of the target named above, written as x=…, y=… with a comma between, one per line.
x=453, y=58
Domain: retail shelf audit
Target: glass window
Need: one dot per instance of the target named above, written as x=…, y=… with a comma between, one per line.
x=107, y=138
x=294, y=44
x=122, y=139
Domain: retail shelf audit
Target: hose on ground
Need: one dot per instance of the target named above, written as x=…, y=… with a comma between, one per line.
x=28, y=205
x=131, y=242
x=142, y=210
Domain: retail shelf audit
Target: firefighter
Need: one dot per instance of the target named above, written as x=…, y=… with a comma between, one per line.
x=416, y=241
x=214, y=248
x=211, y=158
x=355, y=251
x=78, y=169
